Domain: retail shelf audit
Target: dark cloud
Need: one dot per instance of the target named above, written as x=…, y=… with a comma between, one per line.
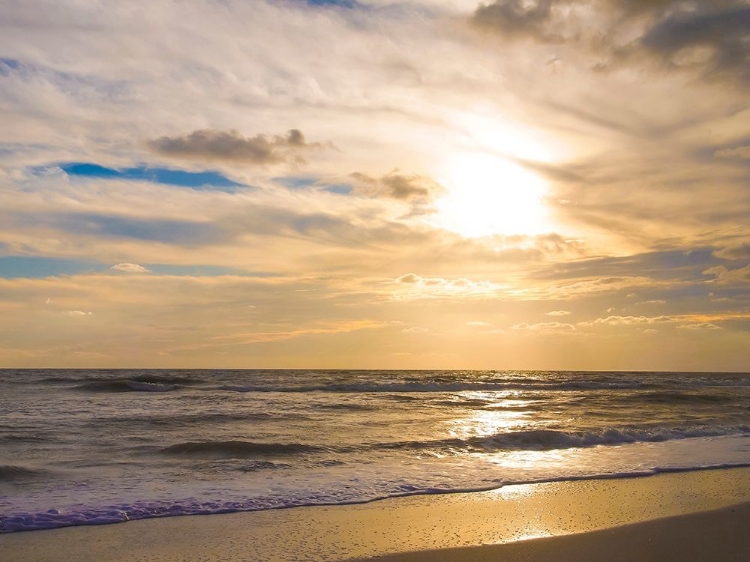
x=715, y=41
x=711, y=37
x=519, y=19
x=737, y=251
x=209, y=144
x=397, y=186
x=672, y=265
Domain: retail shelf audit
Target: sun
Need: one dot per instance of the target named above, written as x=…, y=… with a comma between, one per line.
x=488, y=195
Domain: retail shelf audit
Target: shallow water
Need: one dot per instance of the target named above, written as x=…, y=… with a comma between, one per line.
x=89, y=447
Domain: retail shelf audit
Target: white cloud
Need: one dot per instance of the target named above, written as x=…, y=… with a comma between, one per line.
x=558, y=313
x=545, y=327
x=428, y=287
x=129, y=268
x=700, y=326
x=77, y=313
x=630, y=320
x=415, y=330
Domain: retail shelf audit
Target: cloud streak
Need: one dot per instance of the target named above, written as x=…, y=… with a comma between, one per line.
x=233, y=146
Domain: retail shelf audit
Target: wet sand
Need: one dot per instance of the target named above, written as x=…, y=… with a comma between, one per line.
x=702, y=515
x=721, y=535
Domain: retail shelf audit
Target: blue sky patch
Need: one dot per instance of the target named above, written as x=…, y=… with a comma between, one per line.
x=6, y=65
x=203, y=271
x=35, y=267
x=302, y=182
x=340, y=188
x=12, y=267
x=166, y=176
x=340, y=3
x=296, y=182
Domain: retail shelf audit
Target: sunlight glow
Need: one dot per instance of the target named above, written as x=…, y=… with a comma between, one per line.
x=493, y=132
x=488, y=195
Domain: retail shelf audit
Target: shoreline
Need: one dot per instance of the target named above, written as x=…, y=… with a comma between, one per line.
x=391, y=526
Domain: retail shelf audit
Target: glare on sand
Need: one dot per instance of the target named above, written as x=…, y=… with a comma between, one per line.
x=488, y=195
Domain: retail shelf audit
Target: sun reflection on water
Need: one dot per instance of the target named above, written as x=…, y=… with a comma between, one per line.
x=501, y=412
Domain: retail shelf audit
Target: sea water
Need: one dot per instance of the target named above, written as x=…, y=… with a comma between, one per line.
x=82, y=447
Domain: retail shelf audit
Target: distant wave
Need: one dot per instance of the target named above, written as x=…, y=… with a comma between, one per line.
x=237, y=449
x=15, y=437
x=160, y=420
x=127, y=386
x=10, y=473
x=157, y=377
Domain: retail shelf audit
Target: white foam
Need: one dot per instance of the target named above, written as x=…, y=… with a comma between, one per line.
x=368, y=482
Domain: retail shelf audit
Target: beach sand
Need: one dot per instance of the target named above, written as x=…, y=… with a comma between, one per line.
x=702, y=515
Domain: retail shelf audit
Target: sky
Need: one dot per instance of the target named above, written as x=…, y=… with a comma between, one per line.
x=375, y=184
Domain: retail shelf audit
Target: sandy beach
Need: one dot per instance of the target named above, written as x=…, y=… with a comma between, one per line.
x=679, y=516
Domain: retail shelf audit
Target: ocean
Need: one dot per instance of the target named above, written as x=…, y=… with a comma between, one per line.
x=84, y=447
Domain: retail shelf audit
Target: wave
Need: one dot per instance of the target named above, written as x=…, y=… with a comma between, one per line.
x=11, y=473
x=127, y=386
x=530, y=440
x=157, y=377
x=119, y=513
x=181, y=420
x=14, y=437
x=545, y=440
x=237, y=449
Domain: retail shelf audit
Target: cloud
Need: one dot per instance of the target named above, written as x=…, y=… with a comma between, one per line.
x=558, y=313
x=630, y=320
x=129, y=268
x=545, y=327
x=713, y=37
x=415, y=330
x=210, y=145
x=652, y=302
x=430, y=287
x=396, y=186
x=517, y=19
x=708, y=37
x=409, y=278
x=737, y=251
x=328, y=328
x=700, y=326
x=168, y=231
x=741, y=152
x=725, y=276
x=77, y=313
x=478, y=324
